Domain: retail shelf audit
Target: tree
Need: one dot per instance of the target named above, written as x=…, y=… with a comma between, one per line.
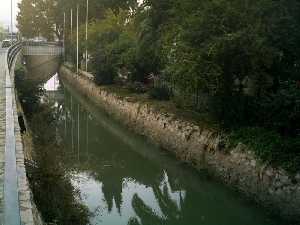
x=2, y=32
x=112, y=44
x=41, y=18
x=27, y=19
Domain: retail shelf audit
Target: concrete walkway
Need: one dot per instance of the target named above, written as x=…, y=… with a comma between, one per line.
x=15, y=197
x=2, y=131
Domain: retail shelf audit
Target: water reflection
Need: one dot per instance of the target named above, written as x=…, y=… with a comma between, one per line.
x=124, y=179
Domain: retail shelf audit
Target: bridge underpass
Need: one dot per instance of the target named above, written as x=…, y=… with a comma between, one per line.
x=43, y=61
x=15, y=197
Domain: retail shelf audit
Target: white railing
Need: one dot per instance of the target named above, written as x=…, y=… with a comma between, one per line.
x=42, y=50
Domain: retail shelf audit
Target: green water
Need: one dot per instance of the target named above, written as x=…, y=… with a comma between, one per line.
x=124, y=179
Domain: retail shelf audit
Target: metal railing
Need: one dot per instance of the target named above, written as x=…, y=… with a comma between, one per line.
x=48, y=50
x=12, y=52
x=42, y=43
x=195, y=99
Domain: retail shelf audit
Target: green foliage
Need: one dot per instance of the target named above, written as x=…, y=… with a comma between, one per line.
x=280, y=110
x=137, y=87
x=2, y=32
x=41, y=18
x=115, y=46
x=244, y=56
x=270, y=147
x=28, y=93
x=160, y=93
x=276, y=110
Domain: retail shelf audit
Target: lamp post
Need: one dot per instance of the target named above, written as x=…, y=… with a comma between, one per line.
x=71, y=36
x=64, y=37
x=11, y=21
x=86, y=35
x=77, y=41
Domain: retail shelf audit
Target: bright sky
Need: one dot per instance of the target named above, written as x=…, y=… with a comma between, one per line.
x=5, y=12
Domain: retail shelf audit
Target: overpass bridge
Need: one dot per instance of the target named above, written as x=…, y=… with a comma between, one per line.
x=16, y=207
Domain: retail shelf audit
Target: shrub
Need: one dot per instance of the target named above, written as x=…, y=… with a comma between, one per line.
x=281, y=110
x=28, y=92
x=232, y=111
x=160, y=93
x=137, y=87
x=105, y=74
x=270, y=147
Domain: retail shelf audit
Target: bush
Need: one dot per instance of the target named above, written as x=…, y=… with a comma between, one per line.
x=232, y=111
x=137, y=87
x=105, y=75
x=28, y=92
x=160, y=93
x=270, y=147
x=281, y=110
x=278, y=110
x=112, y=44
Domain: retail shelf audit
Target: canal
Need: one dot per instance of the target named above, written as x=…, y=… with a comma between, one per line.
x=122, y=178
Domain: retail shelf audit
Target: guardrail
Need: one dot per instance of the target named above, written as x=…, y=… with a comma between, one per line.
x=42, y=43
x=44, y=50
x=12, y=51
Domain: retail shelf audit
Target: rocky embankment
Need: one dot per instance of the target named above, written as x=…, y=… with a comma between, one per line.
x=201, y=147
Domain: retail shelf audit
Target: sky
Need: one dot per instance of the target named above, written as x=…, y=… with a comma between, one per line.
x=5, y=12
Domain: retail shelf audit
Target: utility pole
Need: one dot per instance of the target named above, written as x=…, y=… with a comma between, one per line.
x=11, y=21
x=77, y=41
x=86, y=35
x=71, y=23
x=64, y=36
x=71, y=35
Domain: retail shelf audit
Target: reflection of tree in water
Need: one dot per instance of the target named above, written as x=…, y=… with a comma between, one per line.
x=54, y=193
x=171, y=212
x=113, y=160
x=112, y=170
x=112, y=189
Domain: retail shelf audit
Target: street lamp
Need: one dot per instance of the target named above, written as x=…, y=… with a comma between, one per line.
x=11, y=20
x=77, y=41
x=86, y=35
x=64, y=37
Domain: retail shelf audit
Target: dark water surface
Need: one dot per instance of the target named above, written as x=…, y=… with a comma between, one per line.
x=124, y=179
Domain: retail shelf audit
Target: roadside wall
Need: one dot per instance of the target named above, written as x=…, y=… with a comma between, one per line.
x=199, y=147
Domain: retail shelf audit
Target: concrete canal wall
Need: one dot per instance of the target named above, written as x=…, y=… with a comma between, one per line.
x=200, y=147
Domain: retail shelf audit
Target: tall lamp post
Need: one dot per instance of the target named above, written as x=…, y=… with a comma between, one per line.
x=11, y=21
x=71, y=35
x=77, y=41
x=86, y=35
x=64, y=37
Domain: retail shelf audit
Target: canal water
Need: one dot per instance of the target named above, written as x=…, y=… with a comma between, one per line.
x=124, y=179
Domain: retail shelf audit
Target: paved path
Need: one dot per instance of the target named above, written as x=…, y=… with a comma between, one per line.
x=9, y=179
x=2, y=131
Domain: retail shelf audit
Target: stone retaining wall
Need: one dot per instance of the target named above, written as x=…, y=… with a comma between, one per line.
x=201, y=147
